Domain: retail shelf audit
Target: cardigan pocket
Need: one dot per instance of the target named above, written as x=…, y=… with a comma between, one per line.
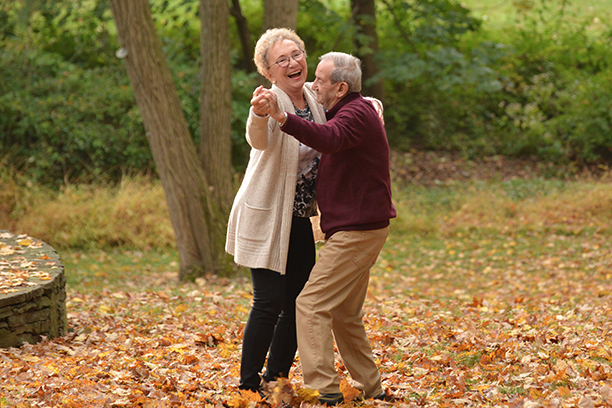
x=255, y=223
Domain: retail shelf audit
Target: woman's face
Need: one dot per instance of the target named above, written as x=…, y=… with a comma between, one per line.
x=292, y=77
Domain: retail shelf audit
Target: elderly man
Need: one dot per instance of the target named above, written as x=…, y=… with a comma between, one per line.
x=353, y=190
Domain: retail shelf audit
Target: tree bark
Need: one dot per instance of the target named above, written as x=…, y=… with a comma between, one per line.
x=280, y=14
x=191, y=210
x=216, y=113
x=245, y=36
x=366, y=41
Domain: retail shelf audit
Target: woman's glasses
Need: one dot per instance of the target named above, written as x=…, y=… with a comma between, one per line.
x=283, y=62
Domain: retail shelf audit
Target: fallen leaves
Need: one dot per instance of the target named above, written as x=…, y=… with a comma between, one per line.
x=16, y=271
x=498, y=329
x=453, y=322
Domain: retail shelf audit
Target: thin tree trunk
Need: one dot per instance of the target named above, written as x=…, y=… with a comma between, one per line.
x=280, y=14
x=364, y=16
x=216, y=112
x=245, y=36
x=171, y=145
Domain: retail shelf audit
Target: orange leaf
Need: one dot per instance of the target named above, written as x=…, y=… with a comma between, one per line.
x=564, y=392
x=350, y=393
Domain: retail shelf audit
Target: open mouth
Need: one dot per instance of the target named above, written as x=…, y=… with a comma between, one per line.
x=295, y=75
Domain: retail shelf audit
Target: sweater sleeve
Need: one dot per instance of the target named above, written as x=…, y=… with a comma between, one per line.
x=338, y=134
x=257, y=133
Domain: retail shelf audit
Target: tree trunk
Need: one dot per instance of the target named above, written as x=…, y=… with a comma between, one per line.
x=171, y=145
x=366, y=41
x=280, y=14
x=216, y=112
x=245, y=36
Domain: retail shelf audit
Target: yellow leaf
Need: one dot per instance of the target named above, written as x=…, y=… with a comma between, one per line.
x=534, y=393
x=105, y=309
x=309, y=396
x=53, y=368
x=25, y=242
x=604, y=353
x=225, y=352
x=181, y=308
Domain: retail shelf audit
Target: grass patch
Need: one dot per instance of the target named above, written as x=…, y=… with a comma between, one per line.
x=132, y=214
x=496, y=13
x=482, y=209
x=115, y=270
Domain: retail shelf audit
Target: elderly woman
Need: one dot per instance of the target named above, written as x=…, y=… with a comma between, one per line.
x=269, y=228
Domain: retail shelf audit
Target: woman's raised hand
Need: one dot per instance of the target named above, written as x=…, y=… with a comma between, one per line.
x=259, y=102
x=265, y=103
x=272, y=107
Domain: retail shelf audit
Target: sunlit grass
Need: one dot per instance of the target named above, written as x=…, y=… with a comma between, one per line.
x=119, y=270
x=496, y=12
x=133, y=214
x=484, y=208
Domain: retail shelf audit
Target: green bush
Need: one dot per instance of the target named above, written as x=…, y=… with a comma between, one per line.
x=553, y=104
x=66, y=122
x=584, y=126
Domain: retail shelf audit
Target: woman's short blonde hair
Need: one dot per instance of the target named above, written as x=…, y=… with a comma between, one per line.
x=267, y=40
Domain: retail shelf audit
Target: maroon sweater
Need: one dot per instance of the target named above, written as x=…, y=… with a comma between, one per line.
x=353, y=183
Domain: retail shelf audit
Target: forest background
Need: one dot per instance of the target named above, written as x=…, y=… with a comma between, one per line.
x=480, y=78
x=494, y=287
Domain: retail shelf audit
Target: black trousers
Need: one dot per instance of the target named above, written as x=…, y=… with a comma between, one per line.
x=270, y=328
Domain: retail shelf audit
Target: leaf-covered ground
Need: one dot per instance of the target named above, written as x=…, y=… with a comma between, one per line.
x=521, y=320
x=487, y=293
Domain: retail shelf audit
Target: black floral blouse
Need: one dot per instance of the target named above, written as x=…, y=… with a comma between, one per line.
x=305, y=203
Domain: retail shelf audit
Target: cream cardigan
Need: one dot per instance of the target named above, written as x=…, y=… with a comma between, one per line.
x=259, y=225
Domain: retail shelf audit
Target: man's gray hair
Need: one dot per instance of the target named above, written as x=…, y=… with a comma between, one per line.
x=348, y=69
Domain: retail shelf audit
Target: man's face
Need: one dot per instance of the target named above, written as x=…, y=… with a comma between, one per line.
x=328, y=94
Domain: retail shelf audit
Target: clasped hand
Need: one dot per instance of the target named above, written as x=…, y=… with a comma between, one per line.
x=265, y=102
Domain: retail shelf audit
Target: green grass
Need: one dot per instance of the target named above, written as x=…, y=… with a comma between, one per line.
x=117, y=269
x=496, y=13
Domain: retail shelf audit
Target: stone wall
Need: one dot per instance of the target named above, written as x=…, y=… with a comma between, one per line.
x=32, y=291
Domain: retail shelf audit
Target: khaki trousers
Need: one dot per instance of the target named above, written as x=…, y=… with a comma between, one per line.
x=332, y=301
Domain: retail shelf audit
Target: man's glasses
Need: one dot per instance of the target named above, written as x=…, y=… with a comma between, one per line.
x=283, y=62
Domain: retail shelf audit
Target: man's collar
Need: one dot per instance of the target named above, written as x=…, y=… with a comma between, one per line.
x=351, y=96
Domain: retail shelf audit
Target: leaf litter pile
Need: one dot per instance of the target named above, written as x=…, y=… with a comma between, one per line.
x=518, y=320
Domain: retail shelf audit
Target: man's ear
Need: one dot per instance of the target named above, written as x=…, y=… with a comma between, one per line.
x=343, y=89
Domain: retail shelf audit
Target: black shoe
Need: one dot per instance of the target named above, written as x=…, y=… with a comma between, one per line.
x=383, y=397
x=331, y=399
